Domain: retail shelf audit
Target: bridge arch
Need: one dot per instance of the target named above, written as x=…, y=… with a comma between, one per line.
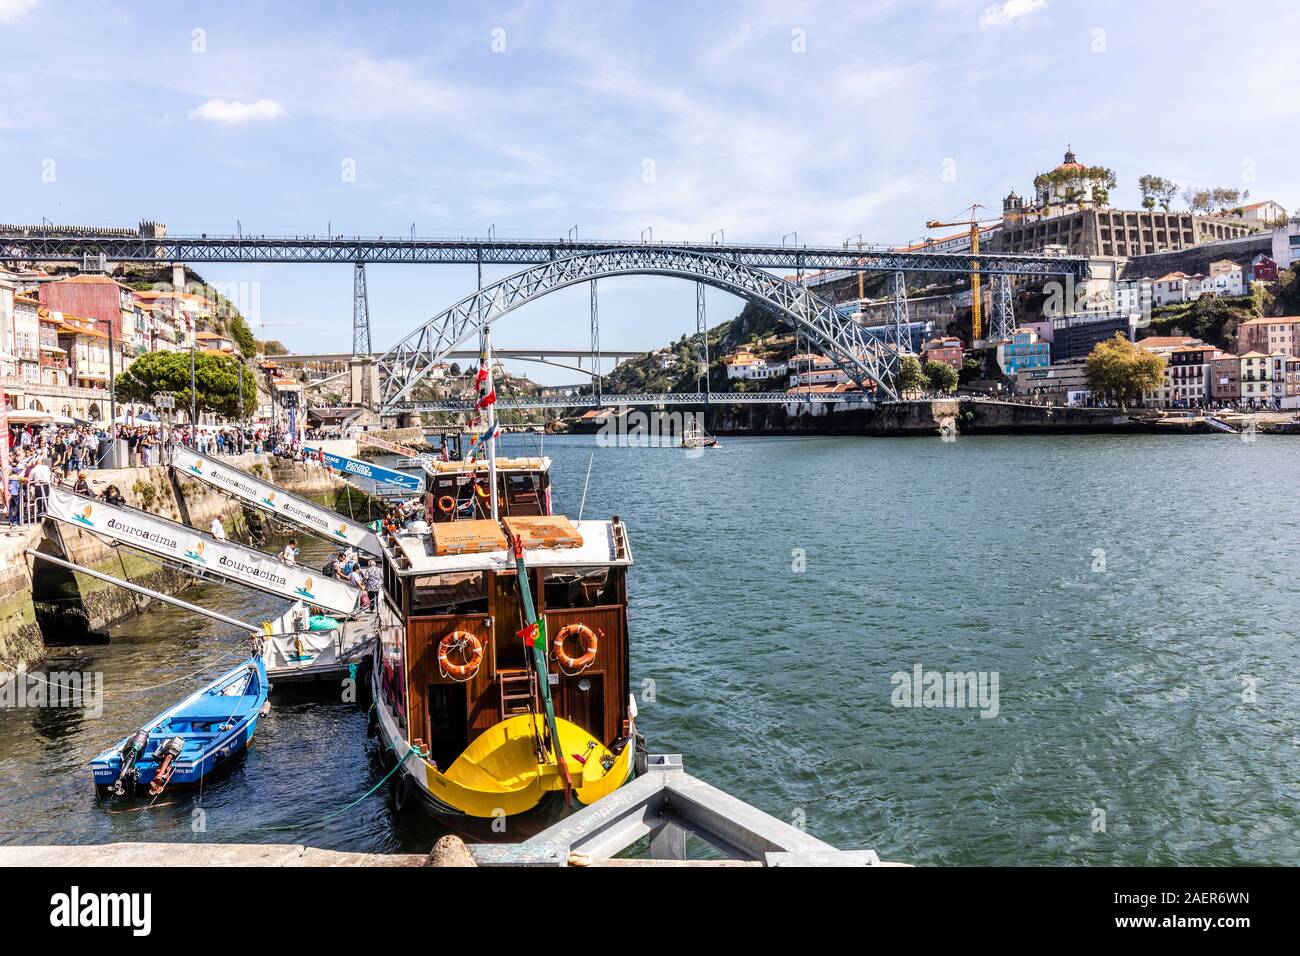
x=864, y=360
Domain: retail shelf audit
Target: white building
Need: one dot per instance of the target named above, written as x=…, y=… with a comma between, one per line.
x=1286, y=244
x=1225, y=278
x=811, y=369
x=750, y=367
x=1266, y=211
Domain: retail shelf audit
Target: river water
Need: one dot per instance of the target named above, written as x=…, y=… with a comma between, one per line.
x=1134, y=598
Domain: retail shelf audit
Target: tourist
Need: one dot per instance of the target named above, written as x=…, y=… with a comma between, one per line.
x=372, y=579
x=218, y=529
x=82, y=487
x=290, y=553
x=38, y=484
x=111, y=496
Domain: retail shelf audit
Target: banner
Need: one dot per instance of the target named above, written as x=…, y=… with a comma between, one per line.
x=4, y=447
x=262, y=494
x=392, y=446
x=205, y=555
x=381, y=476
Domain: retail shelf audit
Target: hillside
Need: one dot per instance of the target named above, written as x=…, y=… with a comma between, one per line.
x=675, y=368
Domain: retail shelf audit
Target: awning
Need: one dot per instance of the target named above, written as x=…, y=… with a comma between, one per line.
x=26, y=416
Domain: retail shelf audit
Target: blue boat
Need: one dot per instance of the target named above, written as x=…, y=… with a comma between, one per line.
x=190, y=741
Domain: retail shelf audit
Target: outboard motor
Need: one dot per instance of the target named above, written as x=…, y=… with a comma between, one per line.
x=166, y=754
x=131, y=751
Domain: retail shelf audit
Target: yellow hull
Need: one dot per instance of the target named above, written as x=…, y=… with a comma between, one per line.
x=499, y=774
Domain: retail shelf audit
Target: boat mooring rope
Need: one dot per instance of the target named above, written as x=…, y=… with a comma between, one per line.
x=411, y=749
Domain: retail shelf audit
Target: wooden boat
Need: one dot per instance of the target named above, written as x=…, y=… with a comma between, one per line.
x=695, y=436
x=501, y=673
x=192, y=741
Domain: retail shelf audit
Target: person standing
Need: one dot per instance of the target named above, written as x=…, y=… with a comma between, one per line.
x=38, y=483
x=218, y=529
x=373, y=581
x=290, y=553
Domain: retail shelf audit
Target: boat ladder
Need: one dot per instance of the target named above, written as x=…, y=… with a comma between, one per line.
x=518, y=691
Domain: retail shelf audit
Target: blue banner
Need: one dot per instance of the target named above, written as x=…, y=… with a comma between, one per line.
x=363, y=469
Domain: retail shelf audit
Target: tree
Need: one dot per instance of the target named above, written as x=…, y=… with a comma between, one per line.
x=911, y=378
x=243, y=336
x=940, y=376
x=1218, y=199
x=216, y=379
x=273, y=347
x=1156, y=190
x=1287, y=299
x=1122, y=371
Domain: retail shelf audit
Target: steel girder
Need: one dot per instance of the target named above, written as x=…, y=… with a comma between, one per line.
x=36, y=247
x=637, y=398
x=841, y=339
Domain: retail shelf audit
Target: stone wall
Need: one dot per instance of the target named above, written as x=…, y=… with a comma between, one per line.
x=46, y=605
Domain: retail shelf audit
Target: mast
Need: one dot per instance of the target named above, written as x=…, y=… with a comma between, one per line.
x=490, y=422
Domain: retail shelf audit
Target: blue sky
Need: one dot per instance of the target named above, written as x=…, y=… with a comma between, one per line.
x=829, y=119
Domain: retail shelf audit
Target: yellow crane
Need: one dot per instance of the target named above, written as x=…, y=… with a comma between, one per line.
x=976, y=293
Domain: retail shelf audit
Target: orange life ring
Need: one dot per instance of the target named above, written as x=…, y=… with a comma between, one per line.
x=464, y=641
x=589, y=644
x=447, y=504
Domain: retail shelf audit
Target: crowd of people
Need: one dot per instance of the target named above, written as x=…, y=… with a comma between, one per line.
x=45, y=456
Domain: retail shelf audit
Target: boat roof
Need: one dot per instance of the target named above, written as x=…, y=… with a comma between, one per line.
x=480, y=466
x=603, y=543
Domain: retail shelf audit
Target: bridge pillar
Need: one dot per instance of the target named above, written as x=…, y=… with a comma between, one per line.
x=363, y=380
x=901, y=340
x=1003, y=321
x=360, y=313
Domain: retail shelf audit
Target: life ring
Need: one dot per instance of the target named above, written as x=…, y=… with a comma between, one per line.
x=447, y=504
x=589, y=644
x=466, y=642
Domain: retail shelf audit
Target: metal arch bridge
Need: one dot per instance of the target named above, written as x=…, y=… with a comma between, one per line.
x=630, y=399
x=871, y=364
x=33, y=245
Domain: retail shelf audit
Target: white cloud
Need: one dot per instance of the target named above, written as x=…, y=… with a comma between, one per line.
x=11, y=10
x=233, y=112
x=1000, y=14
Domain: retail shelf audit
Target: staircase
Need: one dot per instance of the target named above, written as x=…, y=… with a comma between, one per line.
x=518, y=692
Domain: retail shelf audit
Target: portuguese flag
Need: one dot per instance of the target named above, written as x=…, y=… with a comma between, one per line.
x=534, y=635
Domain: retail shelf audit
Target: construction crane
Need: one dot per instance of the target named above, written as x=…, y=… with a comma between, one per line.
x=976, y=293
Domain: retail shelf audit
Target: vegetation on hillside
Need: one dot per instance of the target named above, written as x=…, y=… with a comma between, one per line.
x=216, y=382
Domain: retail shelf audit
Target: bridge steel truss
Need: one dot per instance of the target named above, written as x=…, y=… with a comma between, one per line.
x=639, y=399
x=841, y=339
x=31, y=246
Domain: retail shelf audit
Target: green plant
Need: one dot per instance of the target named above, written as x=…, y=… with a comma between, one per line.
x=145, y=493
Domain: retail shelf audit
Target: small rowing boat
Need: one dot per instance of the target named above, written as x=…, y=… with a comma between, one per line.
x=190, y=741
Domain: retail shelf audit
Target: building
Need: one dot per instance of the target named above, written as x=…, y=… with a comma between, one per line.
x=947, y=350
x=86, y=347
x=1266, y=212
x=1225, y=278
x=1256, y=377
x=1262, y=269
x=1063, y=383
x=1270, y=335
x=810, y=369
x=1225, y=379
x=1023, y=351
x=24, y=341
x=1169, y=288
x=1071, y=210
x=94, y=296
x=750, y=367
x=1286, y=243
x=1291, y=390
x=809, y=399
x=215, y=343
x=1075, y=336
x=1188, y=375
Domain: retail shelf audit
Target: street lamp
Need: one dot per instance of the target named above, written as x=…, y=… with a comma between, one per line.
x=165, y=402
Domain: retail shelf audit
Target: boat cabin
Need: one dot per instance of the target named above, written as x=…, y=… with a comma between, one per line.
x=452, y=661
x=459, y=490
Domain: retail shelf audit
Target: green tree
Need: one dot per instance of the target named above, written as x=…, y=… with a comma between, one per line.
x=911, y=378
x=1287, y=298
x=940, y=376
x=1122, y=371
x=243, y=336
x=1156, y=190
x=216, y=379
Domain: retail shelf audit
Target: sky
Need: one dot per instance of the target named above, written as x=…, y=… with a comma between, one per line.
x=761, y=119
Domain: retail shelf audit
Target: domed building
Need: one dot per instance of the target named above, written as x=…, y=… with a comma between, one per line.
x=1070, y=186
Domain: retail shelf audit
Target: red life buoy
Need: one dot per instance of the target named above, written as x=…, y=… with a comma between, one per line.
x=471, y=649
x=589, y=644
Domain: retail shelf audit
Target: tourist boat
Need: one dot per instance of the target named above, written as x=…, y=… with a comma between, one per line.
x=190, y=742
x=500, y=676
x=694, y=436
